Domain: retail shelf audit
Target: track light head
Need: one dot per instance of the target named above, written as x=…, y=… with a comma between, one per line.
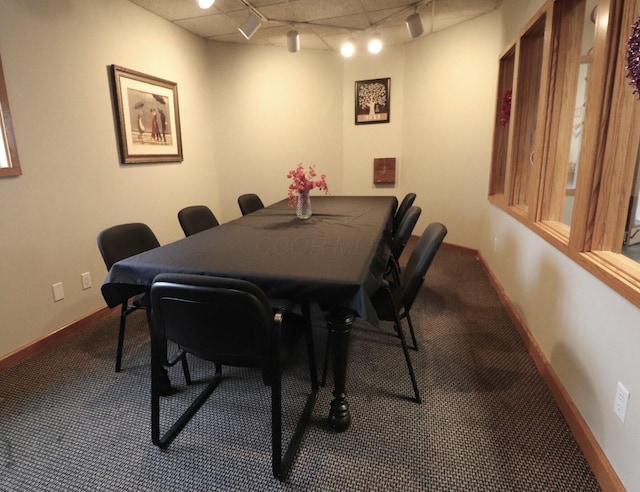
x=250, y=25
x=414, y=25
x=293, y=41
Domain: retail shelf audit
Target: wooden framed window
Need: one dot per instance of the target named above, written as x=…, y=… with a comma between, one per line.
x=502, y=124
x=9, y=162
x=572, y=51
x=525, y=114
x=573, y=106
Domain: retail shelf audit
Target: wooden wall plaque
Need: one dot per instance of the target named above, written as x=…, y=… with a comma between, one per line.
x=384, y=170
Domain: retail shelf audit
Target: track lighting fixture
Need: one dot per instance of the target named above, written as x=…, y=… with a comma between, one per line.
x=414, y=25
x=205, y=4
x=348, y=48
x=293, y=41
x=375, y=44
x=255, y=19
x=250, y=25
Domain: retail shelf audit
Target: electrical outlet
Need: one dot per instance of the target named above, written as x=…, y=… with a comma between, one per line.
x=86, y=280
x=58, y=292
x=621, y=402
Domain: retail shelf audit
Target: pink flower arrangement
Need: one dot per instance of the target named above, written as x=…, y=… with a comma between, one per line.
x=302, y=181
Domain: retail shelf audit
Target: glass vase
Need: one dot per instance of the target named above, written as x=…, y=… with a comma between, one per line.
x=303, y=208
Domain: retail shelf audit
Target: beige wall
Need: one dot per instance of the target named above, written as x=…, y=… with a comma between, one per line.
x=272, y=110
x=249, y=114
x=364, y=143
x=55, y=57
x=450, y=99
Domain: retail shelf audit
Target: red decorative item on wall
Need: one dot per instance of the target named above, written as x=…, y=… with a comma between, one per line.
x=633, y=58
x=505, y=111
x=384, y=170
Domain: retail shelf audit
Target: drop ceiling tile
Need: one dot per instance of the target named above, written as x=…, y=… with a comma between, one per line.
x=208, y=26
x=462, y=8
x=347, y=22
x=389, y=17
x=262, y=3
x=282, y=11
x=221, y=6
x=372, y=5
x=314, y=10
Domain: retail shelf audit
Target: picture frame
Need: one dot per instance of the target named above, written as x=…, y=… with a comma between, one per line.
x=147, y=117
x=373, y=101
x=384, y=170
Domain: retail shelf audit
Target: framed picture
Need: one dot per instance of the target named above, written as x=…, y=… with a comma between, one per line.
x=384, y=170
x=148, y=117
x=373, y=101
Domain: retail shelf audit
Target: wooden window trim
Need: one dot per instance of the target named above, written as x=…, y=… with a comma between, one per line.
x=567, y=19
x=608, y=156
x=7, y=133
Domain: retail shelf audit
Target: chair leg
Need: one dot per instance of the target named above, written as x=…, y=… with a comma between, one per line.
x=166, y=362
x=276, y=428
x=311, y=357
x=395, y=270
x=181, y=357
x=162, y=376
x=185, y=368
x=413, y=334
x=408, y=359
x=123, y=321
x=281, y=464
x=164, y=441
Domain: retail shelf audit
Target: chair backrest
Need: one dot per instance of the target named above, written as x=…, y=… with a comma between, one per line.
x=249, y=202
x=419, y=262
x=404, y=231
x=229, y=321
x=196, y=218
x=122, y=241
x=405, y=204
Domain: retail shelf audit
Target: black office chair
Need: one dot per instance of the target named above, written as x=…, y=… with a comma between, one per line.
x=406, y=202
x=229, y=322
x=117, y=243
x=393, y=301
x=196, y=218
x=249, y=203
x=401, y=238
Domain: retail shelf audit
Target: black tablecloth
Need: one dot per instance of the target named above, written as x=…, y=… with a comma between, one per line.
x=338, y=256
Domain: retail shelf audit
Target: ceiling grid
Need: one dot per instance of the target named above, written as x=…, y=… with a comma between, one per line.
x=322, y=24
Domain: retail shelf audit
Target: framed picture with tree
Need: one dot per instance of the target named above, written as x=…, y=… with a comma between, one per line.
x=373, y=101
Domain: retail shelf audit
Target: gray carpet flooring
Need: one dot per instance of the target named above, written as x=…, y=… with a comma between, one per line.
x=487, y=421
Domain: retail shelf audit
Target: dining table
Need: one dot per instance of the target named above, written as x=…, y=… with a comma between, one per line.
x=335, y=259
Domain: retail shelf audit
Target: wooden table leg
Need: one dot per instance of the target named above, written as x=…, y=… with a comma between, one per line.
x=339, y=323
